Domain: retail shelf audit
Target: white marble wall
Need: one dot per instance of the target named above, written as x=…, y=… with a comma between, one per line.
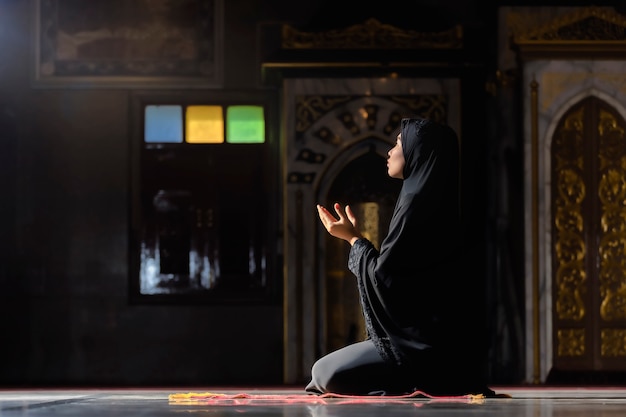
x=561, y=85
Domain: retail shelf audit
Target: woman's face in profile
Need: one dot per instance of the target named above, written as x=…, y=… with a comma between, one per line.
x=395, y=160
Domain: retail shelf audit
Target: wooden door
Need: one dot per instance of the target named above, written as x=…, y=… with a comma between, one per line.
x=588, y=204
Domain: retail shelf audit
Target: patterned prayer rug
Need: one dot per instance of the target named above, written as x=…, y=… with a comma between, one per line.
x=212, y=398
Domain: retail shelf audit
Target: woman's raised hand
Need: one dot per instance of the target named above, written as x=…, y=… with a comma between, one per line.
x=344, y=227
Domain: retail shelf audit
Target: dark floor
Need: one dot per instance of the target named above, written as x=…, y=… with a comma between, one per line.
x=535, y=401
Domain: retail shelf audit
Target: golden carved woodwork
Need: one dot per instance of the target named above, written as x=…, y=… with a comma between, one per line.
x=588, y=180
x=612, y=195
x=371, y=34
x=571, y=342
x=589, y=202
x=613, y=342
x=588, y=23
x=569, y=194
x=586, y=31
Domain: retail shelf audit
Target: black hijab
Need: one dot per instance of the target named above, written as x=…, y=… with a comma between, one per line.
x=426, y=216
x=408, y=288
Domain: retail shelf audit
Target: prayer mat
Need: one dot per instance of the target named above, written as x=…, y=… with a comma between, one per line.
x=212, y=398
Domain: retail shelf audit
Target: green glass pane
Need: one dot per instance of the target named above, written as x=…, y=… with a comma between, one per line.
x=163, y=124
x=245, y=124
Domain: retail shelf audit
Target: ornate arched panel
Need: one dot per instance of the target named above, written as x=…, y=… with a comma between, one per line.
x=589, y=239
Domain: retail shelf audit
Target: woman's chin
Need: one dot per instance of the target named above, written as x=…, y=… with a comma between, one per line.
x=394, y=174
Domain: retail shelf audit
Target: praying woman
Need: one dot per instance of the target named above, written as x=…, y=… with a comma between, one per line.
x=413, y=292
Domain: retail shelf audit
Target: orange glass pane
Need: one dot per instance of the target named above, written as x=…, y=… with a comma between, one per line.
x=204, y=124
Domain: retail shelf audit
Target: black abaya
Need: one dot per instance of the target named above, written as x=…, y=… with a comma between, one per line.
x=413, y=292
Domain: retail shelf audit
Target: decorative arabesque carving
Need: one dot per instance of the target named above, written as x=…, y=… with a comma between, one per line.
x=570, y=190
x=612, y=245
x=571, y=342
x=613, y=342
x=612, y=195
x=309, y=109
x=584, y=24
x=588, y=31
x=371, y=34
x=570, y=170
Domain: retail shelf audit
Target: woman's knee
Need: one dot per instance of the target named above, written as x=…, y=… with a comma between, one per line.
x=322, y=371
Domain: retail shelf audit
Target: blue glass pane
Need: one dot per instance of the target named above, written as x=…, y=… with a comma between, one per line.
x=163, y=124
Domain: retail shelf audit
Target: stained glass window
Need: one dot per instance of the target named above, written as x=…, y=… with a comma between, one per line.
x=204, y=124
x=204, y=173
